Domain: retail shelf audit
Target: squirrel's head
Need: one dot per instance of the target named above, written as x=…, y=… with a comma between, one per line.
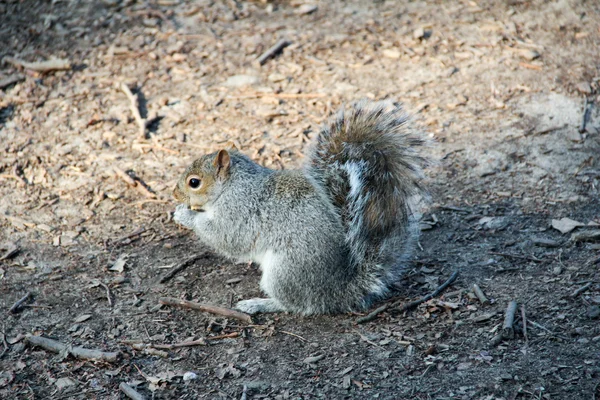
x=197, y=185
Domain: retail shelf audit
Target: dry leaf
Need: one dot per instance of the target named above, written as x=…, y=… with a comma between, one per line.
x=565, y=225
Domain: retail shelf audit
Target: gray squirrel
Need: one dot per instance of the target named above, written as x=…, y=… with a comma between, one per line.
x=330, y=238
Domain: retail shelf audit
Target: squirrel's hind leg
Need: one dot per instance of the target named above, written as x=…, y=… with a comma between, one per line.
x=254, y=306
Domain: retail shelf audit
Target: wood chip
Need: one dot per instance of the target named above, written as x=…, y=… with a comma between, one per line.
x=52, y=64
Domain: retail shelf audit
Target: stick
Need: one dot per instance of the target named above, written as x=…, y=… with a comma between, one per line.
x=78, y=352
x=134, y=105
x=10, y=80
x=226, y=312
x=279, y=95
x=373, y=314
x=515, y=256
x=587, y=109
x=135, y=183
x=479, y=293
x=244, y=394
x=273, y=51
x=9, y=253
x=294, y=335
x=130, y=392
x=524, y=323
x=180, y=267
x=41, y=66
x=110, y=303
x=508, y=331
x=581, y=289
x=226, y=336
x=137, y=232
x=542, y=327
x=15, y=307
x=199, y=342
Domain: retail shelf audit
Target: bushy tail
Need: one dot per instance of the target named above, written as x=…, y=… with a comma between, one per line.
x=367, y=156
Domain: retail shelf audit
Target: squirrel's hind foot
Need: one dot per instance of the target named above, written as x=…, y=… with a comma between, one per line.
x=254, y=306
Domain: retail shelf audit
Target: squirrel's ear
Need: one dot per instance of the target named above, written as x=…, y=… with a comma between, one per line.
x=222, y=162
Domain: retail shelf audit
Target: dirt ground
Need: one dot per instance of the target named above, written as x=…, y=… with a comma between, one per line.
x=85, y=196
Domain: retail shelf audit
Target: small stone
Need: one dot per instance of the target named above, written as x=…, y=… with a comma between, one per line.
x=529, y=55
x=574, y=136
x=419, y=33
x=306, y=9
x=391, y=53
x=241, y=80
x=584, y=87
x=63, y=383
x=83, y=318
x=189, y=376
x=275, y=77
x=593, y=312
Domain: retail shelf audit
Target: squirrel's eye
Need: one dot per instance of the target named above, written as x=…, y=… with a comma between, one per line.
x=194, y=182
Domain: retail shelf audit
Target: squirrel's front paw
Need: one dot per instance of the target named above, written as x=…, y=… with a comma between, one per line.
x=254, y=306
x=184, y=216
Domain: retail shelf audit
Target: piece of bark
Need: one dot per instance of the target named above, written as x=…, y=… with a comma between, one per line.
x=19, y=303
x=225, y=312
x=78, y=352
x=479, y=293
x=508, y=330
x=273, y=51
x=586, y=236
x=130, y=392
x=52, y=64
x=10, y=80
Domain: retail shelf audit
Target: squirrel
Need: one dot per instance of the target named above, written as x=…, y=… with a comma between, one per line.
x=332, y=237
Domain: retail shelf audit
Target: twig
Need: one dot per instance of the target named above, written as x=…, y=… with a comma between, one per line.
x=587, y=109
x=524, y=318
x=373, y=314
x=542, y=327
x=294, y=335
x=225, y=312
x=515, y=256
x=4, y=343
x=508, y=330
x=279, y=95
x=244, y=394
x=191, y=343
x=581, y=289
x=180, y=267
x=130, y=392
x=226, y=336
x=135, y=183
x=456, y=209
x=134, y=105
x=273, y=51
x=78, y=352
x=41, y=66
x=137, y=232
x=479, y=293
x=10, y=80
x=110, y=303
x=19, y=303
